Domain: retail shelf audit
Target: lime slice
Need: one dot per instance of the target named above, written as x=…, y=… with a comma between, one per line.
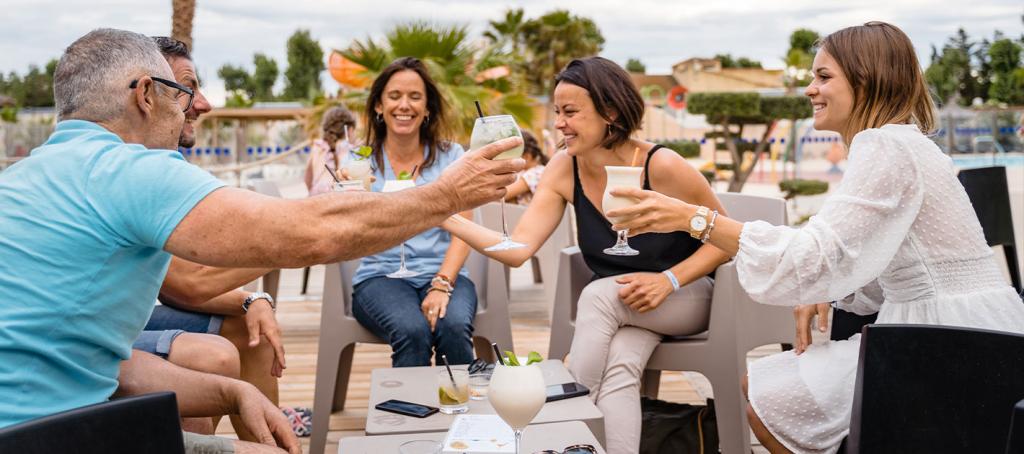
x=445, y=398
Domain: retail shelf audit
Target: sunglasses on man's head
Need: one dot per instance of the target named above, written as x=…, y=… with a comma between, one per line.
x=576, y=449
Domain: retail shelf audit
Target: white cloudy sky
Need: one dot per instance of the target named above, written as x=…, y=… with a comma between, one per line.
x=658, y=32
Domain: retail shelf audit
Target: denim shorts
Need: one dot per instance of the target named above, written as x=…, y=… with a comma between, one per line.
x=167, y=323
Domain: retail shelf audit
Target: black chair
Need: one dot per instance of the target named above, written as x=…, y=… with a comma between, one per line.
x=990, y=196
x=1015, y=444
x=147, y=423
x=935, y=389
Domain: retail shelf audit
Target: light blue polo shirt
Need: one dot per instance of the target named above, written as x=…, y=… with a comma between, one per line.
x=423, y=252
x=83, y=222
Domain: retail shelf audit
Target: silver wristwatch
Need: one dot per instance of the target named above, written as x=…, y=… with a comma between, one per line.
x=258, y=296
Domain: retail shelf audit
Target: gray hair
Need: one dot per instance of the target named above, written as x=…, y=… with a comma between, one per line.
x=96, y=70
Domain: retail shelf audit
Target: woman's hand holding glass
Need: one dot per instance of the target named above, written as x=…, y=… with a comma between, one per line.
x=653, y=213
x=644, y=292
x=434, y=307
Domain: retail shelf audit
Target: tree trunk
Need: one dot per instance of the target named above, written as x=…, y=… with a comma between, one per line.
x=739, y=175
x=183, y=11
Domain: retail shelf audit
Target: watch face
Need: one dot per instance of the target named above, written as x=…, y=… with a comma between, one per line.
x=698, y=223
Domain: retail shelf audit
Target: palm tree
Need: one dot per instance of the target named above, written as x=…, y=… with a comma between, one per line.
x=553, y=40
x=508, y=32
x=458, y=68
x=182, y=13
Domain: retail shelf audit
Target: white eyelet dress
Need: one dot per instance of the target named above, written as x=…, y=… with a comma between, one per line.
x=899, y=237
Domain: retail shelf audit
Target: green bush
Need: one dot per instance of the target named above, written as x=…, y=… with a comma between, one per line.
x=793, y=188
x=9, y=114
x=685, y=148
x=725, y=166
x=747, y=108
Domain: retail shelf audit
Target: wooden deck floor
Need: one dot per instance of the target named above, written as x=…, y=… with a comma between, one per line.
x=299, y=316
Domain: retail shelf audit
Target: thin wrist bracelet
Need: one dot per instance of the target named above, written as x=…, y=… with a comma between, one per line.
x=711, y=224
x=672, y=279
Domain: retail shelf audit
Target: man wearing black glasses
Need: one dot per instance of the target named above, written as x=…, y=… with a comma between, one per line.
x=92, y=217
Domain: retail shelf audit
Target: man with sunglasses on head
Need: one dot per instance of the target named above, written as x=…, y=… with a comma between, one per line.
x=92, y=217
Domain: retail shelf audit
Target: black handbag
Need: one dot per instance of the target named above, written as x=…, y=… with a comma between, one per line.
x=671, y=428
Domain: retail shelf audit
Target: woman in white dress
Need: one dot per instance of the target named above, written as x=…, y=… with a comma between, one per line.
x=898, y=237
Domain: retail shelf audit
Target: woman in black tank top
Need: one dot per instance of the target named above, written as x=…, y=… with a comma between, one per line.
x=632, y=302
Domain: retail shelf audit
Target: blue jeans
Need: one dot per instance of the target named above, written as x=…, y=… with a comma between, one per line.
x=390, y=309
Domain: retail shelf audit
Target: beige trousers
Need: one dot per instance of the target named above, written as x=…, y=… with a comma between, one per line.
x=612, y=344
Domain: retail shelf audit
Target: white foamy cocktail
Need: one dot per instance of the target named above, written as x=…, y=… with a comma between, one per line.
x=618, y=177
x=517, y=394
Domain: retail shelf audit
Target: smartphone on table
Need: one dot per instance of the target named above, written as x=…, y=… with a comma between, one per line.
x=406, y=408
x=565, y=391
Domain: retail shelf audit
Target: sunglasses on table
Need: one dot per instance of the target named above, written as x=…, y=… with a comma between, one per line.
x=575, y=449
x=480, y=366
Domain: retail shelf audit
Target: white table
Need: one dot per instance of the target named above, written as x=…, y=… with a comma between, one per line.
x=536, y=437
x=419, y=385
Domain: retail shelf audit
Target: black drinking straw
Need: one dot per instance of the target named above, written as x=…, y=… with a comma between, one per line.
x=449, y=368
x=497, y=352
x=336, y=180
x=479, y=111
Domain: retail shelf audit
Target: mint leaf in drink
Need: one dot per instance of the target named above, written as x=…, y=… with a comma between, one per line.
x=510, y=359
x=363, y=152
x=533, y=357
x=403, y=175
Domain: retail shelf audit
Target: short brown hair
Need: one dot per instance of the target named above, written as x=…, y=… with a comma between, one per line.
x=613, y=93
x=881, y=66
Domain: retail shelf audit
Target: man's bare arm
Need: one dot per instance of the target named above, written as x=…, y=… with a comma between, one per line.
x=238, y=228
x=191, y=284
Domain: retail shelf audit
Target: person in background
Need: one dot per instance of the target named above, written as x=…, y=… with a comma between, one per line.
x=339, y=128
x=521, y=192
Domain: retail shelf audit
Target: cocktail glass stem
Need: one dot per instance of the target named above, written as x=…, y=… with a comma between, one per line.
x=506, y=241
x=622, y=245
x=519, y=436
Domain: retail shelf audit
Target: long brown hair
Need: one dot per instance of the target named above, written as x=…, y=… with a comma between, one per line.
x=434, y=126
x=881, y=66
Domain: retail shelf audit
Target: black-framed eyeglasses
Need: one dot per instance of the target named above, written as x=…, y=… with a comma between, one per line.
x=575, y=449
x=170, y=83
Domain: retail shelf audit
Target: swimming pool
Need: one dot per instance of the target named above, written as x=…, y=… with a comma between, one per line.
x=989, y=160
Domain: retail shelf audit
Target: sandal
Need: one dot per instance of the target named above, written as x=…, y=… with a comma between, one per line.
x=301, y=419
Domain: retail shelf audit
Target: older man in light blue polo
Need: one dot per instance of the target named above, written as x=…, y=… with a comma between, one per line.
x=89, y=222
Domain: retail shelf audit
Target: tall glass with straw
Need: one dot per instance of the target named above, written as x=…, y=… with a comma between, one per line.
x=621, y=176
x=488, y=130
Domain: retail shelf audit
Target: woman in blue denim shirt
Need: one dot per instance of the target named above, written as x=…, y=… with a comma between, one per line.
x=433, y=311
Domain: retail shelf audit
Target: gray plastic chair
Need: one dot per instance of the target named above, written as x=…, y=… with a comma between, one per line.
x=271, y=281
x=546, y=258
x=737, y=324
x=340, y=332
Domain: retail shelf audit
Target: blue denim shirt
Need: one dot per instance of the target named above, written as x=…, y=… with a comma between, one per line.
x=423, y=252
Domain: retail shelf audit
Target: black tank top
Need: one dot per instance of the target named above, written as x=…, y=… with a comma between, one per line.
x=658, y=251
